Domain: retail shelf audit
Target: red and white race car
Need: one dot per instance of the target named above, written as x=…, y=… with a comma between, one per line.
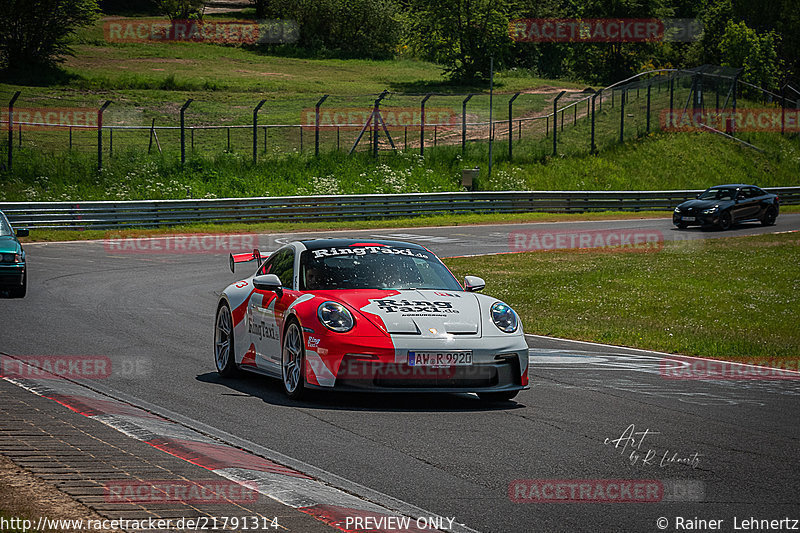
x=381, y=315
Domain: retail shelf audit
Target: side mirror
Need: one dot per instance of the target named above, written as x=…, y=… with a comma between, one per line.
x=22, y=232
x=473, y=283
x=268, y=282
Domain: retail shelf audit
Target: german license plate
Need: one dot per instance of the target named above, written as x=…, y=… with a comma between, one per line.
x=687, y=219
x=460, y=358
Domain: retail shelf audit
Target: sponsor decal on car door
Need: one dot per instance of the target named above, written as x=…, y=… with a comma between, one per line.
x=263, y=329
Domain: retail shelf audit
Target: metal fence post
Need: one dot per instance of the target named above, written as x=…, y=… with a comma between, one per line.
x=648, y=109
x=110, y=143
x=149, y=144
x=316, y=124
x=255, y=131
x=733, y=115
x=555, y=115
x=11, y=128
x=422, y=125
x=621, y=115
x=783, y=109
x=464, y=123
x=592, y=146
x=671, y=96
x=183, y=131
x=100, y=134
x=511, y=125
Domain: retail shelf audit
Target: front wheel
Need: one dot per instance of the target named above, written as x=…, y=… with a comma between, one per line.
x=682, y=225
x=493, y=397
x=769, y=217
x=725, y=221
x=223, y=342
x=293, y=361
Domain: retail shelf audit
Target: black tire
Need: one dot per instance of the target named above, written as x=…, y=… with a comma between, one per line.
x=682, y=225
x=224, y=353
x=293, y=357
x=725, y=221
x=497, y=397
x=769, y=217
x=19, y=292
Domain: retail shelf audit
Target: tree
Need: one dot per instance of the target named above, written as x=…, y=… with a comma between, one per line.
x=462, y=35
x=36, y=32
x=741, y=46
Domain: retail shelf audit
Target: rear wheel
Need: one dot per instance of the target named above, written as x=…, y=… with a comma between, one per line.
x=725, y=221
x=223, y=342
x=293, y=361
x=19, y=292
x=498, y=396
x=769, y=217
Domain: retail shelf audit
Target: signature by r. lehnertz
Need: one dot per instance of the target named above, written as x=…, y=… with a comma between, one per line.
x=631, y=442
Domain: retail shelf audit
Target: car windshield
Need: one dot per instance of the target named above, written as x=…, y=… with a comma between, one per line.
x=718, y=194
x=374, y=267
x=5, y=229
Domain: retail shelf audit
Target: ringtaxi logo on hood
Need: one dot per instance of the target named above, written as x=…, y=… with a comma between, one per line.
x=365, y=250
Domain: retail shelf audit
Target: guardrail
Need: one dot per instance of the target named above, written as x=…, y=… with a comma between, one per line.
x=150, y=213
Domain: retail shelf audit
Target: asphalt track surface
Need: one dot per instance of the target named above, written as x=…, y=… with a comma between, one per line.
x=448, y=454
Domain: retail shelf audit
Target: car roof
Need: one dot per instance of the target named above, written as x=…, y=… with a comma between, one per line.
x=731, y=186
x=316, y=244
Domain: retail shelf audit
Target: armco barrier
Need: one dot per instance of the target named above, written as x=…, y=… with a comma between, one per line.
x=149, y=213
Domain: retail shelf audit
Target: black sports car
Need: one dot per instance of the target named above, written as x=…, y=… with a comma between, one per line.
x=725, y=205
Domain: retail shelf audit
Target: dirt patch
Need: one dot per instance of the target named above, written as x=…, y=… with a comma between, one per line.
x=23, y=495
x=230, y=6
x=164, y=60
x=280, y=74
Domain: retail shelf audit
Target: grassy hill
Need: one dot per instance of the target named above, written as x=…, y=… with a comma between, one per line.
x=149, y=81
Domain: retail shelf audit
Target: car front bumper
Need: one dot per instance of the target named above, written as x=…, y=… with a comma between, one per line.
x=12, y=275
x=499, y=364
x=699, y=219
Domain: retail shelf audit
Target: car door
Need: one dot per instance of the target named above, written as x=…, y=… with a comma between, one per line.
x=740, y=205
x=263, y=323
x=751, y=203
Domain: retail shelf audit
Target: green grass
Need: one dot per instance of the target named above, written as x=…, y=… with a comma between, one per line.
x=659, y=161
x=149, y=81
x=50, y=235
x=733, y=298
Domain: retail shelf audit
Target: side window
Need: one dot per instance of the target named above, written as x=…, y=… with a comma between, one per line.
x=282, y=265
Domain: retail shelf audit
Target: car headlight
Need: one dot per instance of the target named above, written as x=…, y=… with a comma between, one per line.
x=504, y=317
x=11, y=258
x=335, y=317
x=710, y=211
x=678, y=209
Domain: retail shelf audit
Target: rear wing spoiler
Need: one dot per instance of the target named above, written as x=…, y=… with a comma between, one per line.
x=255, y=255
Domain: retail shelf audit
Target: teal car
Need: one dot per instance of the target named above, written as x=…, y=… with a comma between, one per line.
x=13, y=274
